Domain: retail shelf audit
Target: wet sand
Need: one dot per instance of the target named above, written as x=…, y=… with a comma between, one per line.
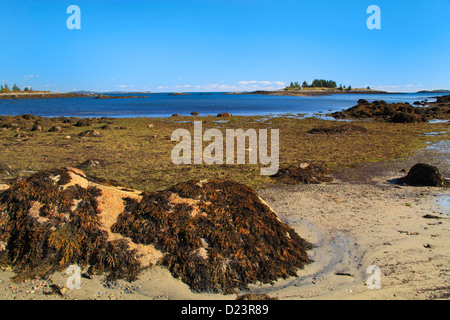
x=358, y=220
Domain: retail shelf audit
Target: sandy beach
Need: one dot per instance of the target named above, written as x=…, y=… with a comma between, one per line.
x=357, y=220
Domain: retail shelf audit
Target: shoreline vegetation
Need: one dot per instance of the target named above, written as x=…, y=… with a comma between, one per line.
x=143, y=145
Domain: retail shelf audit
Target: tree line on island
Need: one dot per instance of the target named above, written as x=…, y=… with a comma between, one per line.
x=319, y=83
x=5, y=89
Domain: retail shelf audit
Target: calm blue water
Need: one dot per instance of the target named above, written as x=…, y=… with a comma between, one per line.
x=164, y=105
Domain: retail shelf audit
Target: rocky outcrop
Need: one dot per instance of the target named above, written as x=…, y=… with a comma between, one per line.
x=396, y=112
x=215, y=235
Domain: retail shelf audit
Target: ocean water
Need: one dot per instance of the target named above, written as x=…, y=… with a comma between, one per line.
x=164, y=105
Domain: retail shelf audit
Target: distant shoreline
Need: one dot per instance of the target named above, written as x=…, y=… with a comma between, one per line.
x=309, y=93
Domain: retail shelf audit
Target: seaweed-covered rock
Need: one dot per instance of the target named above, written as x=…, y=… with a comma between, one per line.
x=57, y=218
x=215, y=235
x=305, y=173
x=395, y=112
x=422, y=174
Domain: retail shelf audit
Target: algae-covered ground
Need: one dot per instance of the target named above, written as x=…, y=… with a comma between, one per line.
x=136, y=152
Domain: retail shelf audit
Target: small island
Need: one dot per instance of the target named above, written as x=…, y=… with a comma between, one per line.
x=318, y=87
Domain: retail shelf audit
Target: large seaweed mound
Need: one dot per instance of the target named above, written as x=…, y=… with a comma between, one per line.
x=422, y=174
x=214, y=235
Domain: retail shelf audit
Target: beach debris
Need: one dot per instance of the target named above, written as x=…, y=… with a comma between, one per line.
x=422, y=174
x=305, y=173
x=215, y=235
x=347, y=274
x=338, y=129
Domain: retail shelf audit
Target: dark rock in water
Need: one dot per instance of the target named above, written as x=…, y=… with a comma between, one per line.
x=194, y=114
x=175, y=115
x=216, y=236
x=305, y=173
x=344, y=129
x=422, y=174
x=224, y=114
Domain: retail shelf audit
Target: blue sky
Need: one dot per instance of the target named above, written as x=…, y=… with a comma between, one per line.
x=224, y=45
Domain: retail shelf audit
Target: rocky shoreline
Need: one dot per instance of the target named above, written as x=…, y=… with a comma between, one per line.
x=397, y=112
x=308, y=93
x=48, y=95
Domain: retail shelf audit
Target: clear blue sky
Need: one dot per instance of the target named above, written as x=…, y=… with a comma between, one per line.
x=224, y=45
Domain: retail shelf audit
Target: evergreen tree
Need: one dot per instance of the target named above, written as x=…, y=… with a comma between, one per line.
x=6, y=88
x=305, y=84
x=25, y=89
x=15, y=87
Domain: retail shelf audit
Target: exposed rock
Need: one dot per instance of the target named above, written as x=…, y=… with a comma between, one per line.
x=85, y=122
x=224, y=114
x=215, y=235
x=55, y=129
x=194, y=114
x=90, y=133
x=422, y=174
x=36, y=127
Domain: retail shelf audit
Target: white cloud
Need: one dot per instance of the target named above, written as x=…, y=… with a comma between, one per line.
x=399, y=87
x=125, y=86
x=31, y=76
x=263, y=83
x=251, y=85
